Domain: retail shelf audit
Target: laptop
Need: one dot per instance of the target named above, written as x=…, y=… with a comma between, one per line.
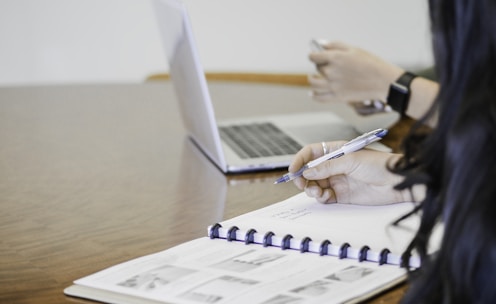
x=231, y=145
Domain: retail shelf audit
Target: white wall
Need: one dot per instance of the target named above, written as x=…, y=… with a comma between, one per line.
x=87, y=41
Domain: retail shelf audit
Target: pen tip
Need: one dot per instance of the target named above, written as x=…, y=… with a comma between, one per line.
x=281, y=180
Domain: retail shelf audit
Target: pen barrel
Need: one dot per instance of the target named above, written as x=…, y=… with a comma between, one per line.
x=359, y=144
x=325, y=157
x=299, y=172
x=354, y=147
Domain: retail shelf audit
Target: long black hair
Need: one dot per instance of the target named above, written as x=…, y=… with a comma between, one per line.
x=457, y=160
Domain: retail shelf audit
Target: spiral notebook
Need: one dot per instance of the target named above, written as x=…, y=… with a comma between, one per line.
x=294, y=251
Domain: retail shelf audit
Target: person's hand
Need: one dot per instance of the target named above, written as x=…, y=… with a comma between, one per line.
x=347, y=73
x=360, y=177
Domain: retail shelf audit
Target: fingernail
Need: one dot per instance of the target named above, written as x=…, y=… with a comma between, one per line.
x=315, y=191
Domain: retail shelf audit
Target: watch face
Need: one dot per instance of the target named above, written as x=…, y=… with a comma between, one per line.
x=398, y=99
x=400, y=88
x=399, y=93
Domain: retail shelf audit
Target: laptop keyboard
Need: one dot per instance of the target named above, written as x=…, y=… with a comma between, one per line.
x=258, y=140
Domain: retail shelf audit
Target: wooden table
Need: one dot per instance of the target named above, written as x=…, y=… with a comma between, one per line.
x=94, y=175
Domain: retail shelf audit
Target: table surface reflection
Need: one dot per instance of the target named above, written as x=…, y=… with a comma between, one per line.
x=94, y=175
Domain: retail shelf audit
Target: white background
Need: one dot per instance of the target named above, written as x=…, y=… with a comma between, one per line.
x=90, y=41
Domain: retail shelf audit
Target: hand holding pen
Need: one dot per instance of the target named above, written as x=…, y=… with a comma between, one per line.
x=349, y=147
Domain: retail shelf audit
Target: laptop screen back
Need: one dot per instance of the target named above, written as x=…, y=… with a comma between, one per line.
x=189, y=79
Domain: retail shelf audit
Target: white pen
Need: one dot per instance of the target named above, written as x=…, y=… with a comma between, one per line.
x=349, y=147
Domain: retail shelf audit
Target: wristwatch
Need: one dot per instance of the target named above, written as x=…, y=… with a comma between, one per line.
x=399, y=93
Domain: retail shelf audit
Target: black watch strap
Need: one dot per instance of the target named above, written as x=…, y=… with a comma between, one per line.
x=399, y=93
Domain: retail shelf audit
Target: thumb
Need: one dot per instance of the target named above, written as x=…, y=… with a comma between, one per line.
x=318, y=58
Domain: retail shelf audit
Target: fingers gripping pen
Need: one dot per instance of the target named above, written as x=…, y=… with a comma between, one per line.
x=353, y=145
